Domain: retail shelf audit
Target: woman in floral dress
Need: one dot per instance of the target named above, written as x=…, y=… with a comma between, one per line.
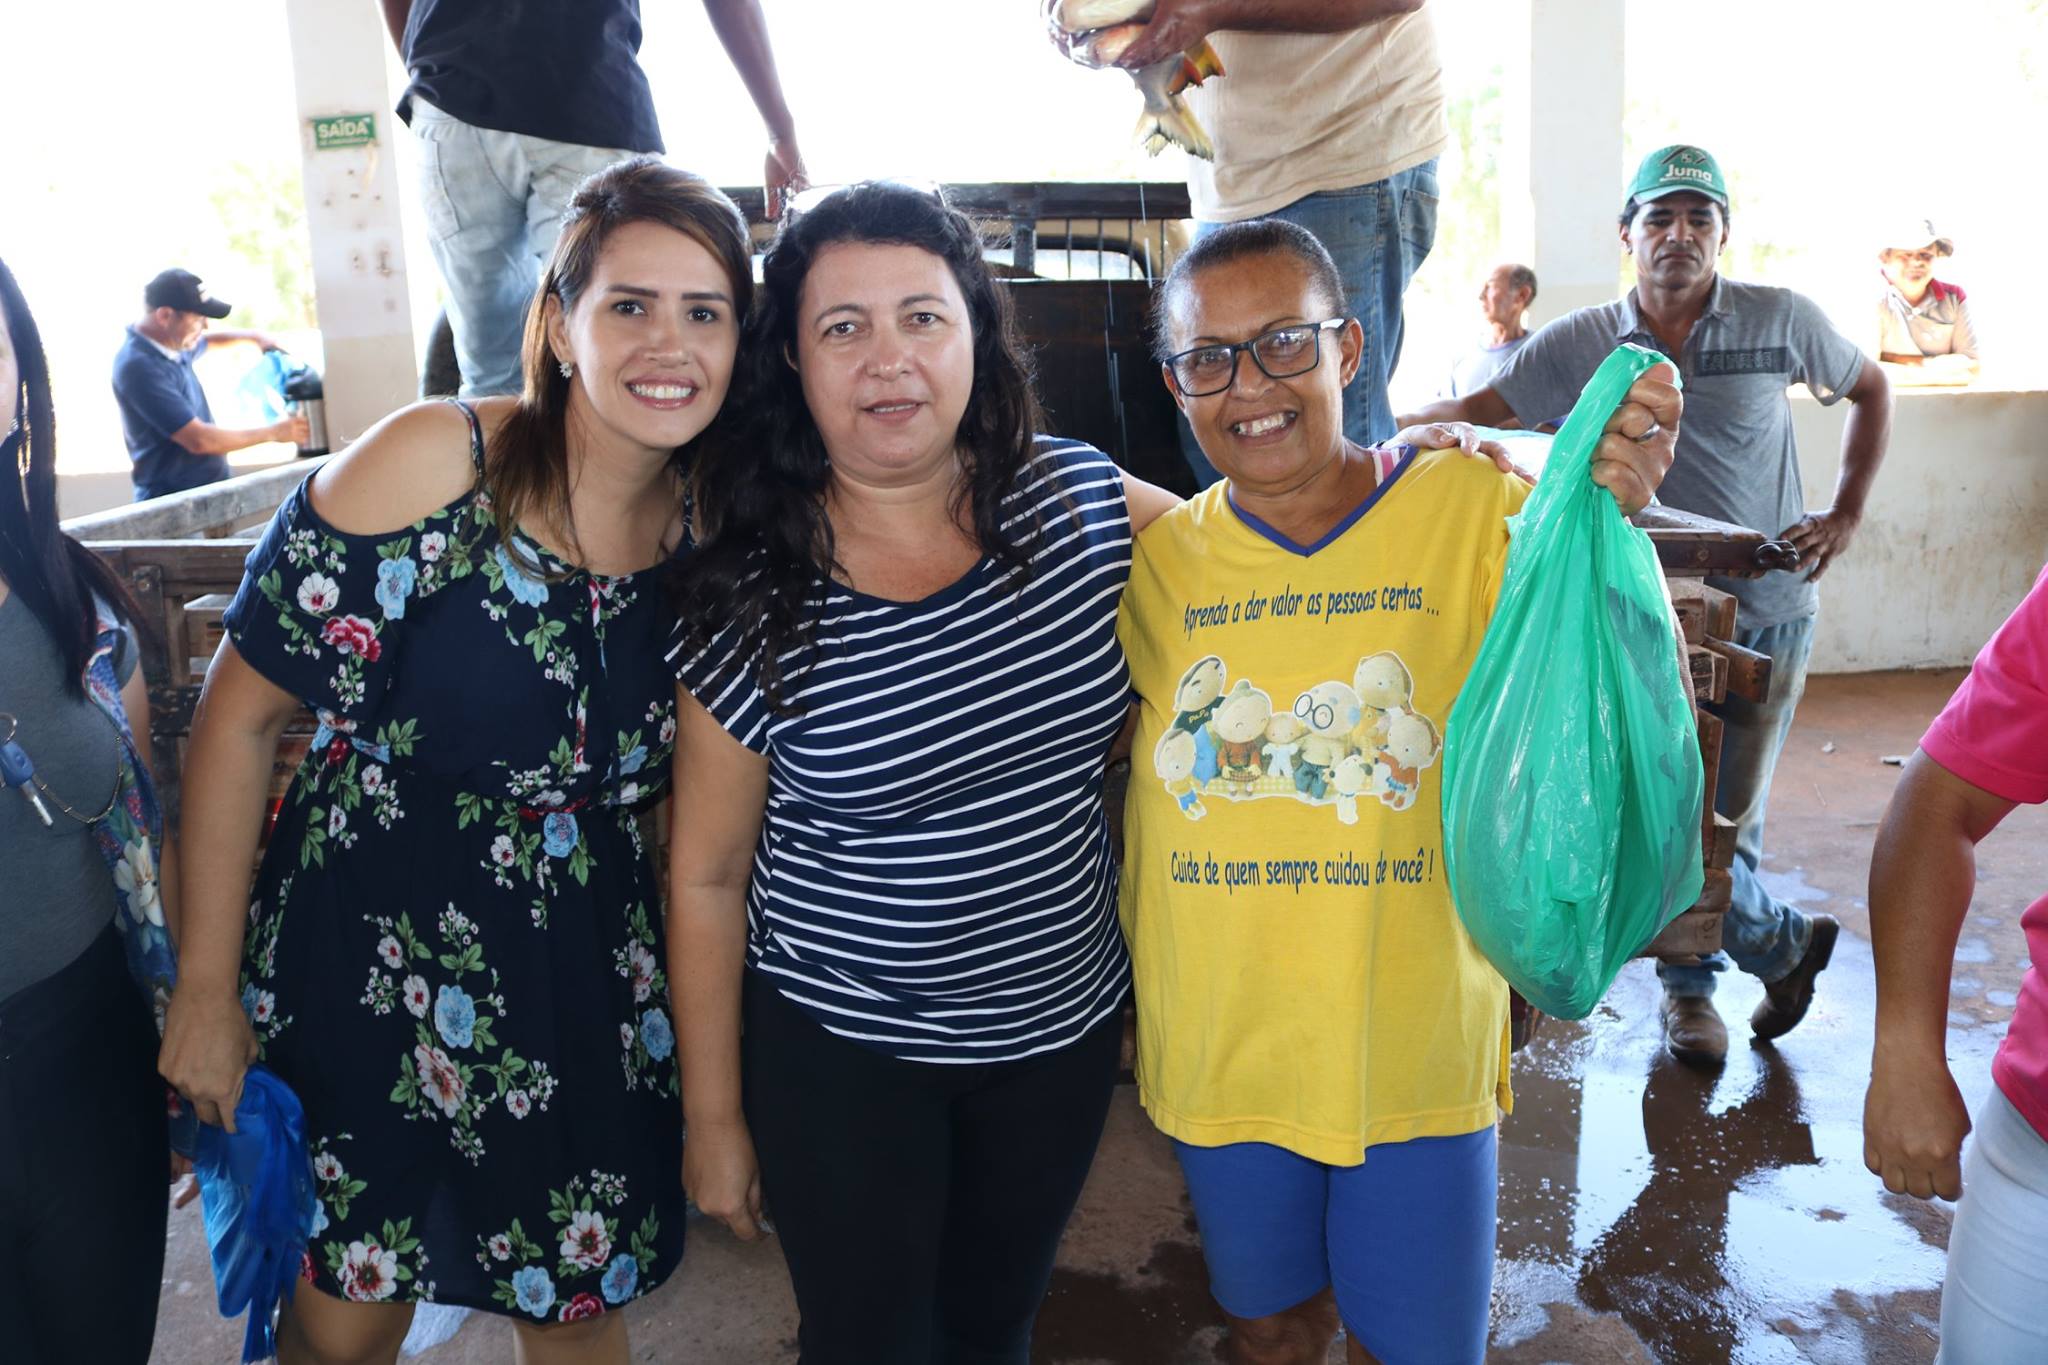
x=452, y=951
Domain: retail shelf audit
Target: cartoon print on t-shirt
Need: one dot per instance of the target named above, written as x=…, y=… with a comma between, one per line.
x=1283, y=741
x=1173, y=759
x=1411, y=744
x=1339, y=742
x=1383, y=687
x=1349, y=779
x=1194, y=701
x=1331, y=711
x=1240, y=725
x=1201, y=688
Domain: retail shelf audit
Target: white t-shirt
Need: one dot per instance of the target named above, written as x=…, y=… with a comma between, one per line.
x=1298, y=113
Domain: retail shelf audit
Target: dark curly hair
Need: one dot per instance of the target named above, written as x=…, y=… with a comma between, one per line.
x=763, y=539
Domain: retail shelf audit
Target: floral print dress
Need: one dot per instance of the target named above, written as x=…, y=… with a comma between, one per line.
x=454, y=953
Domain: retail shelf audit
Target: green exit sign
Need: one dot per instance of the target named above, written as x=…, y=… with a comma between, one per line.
x=344, y=130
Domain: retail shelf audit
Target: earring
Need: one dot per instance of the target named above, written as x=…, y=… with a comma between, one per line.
x=566, y=368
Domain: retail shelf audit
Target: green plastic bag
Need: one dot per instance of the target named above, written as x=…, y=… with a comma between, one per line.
x=1572, y=776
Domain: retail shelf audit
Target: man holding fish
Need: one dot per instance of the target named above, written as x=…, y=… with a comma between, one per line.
x=1355, y=164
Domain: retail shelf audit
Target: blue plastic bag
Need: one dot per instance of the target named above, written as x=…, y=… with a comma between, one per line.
x=256, y=1190
x=1572, y=773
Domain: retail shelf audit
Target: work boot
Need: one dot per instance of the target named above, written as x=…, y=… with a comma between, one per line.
x=1693, y=1030
x=1785, y=1002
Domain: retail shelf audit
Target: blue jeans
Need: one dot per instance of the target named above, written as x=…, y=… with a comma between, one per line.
x=494, y=203
x=1379, y=235
x=1764, y=936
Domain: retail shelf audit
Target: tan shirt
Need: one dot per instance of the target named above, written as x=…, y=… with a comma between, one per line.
x=1938, y=325
x=1298, y=113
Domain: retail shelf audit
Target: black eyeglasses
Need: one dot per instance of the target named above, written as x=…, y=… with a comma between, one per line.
x=1281, y=353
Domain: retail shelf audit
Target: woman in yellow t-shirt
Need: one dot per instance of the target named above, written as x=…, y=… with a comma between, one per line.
x=1316, y=1032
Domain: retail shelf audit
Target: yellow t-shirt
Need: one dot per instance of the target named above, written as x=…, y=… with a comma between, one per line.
x=1302, y=978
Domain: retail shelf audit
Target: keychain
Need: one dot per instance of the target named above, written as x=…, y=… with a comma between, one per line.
x=17, y=771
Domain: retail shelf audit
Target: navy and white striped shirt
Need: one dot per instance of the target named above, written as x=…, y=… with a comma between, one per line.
x=934, y=877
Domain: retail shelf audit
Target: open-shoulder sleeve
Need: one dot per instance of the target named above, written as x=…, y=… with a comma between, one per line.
x=321, y=612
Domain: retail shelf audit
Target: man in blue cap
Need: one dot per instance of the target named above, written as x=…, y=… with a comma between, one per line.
x=165, y=417
x=1738, y=347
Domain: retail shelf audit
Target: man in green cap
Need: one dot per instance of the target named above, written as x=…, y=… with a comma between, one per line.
x=1738, y=347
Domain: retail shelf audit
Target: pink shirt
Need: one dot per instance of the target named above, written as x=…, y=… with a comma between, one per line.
x=1994, y=734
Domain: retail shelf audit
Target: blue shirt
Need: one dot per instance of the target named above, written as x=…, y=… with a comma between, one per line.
x=157, y=396
x=934, y=878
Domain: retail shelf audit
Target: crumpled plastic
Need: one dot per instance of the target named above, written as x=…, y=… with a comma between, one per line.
x=256, y=1191
x=1572, y=773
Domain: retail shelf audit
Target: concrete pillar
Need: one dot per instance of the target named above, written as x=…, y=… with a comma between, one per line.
x=1561, y=171
x=351, y=183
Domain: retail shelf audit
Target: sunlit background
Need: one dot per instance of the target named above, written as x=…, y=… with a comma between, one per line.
x=144, y=135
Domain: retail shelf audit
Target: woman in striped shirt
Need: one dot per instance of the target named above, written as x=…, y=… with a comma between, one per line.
x=894, y=949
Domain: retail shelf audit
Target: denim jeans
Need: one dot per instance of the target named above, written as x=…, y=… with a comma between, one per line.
x=1765, y=937
x=494, y=203
x=1379, y=235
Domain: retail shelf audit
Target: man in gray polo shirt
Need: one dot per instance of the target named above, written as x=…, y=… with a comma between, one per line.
x=1738, y=347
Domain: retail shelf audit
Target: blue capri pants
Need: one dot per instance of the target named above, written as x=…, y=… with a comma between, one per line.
x=1405, y=1237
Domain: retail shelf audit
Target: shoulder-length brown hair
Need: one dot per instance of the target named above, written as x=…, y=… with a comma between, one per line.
x=526, y=467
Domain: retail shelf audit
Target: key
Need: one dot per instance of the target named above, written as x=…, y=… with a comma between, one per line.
x=16, y=771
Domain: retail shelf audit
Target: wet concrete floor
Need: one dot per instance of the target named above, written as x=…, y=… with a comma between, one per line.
x=1648, y=1212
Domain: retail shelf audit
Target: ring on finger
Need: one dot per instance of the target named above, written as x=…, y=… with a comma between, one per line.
x=1649, y=433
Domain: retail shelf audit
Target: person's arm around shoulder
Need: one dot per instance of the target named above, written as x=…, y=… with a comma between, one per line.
x=411, y=464
x=1821, y=536
x=1147, y=502
x=743, y=32
x=718, y=799
x=1922, y=873
x=1482, y=407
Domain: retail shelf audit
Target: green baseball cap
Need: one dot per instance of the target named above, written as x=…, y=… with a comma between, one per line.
x=1669, y=170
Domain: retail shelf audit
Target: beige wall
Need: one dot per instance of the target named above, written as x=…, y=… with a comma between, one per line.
x=1955, y=534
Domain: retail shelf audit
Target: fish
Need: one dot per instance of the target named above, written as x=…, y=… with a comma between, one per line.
x=1100, y=31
